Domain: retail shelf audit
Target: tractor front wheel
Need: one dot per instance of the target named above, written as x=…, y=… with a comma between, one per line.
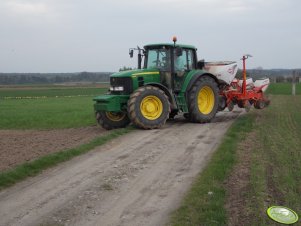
x=112, y=120
x=148, y=107
x=203, y=100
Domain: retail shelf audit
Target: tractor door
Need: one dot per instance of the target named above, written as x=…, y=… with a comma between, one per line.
x=160, y=59
x=184, y=62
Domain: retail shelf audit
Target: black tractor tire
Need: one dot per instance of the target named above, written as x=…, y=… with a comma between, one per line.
x=112, y=120
x=199, y=111
x=148, y=107
x=222, y=103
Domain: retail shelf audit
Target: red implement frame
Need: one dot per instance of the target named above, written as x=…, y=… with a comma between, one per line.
x=242, y=95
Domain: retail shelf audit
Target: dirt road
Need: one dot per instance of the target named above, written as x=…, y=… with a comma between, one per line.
x=137, y=179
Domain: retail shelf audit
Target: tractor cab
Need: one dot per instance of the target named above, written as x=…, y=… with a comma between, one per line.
x=173, y=62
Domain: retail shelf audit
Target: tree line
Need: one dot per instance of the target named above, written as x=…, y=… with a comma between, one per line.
x=276, y=75
x=50, y=78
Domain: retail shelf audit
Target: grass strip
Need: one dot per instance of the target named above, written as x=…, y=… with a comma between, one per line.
x=276, y=163
x=10, y=177
x=204, y=203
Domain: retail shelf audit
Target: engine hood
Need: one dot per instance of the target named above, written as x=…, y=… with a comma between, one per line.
x=134, y=73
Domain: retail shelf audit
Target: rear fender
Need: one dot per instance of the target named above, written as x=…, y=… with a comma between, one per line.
x=193, y=78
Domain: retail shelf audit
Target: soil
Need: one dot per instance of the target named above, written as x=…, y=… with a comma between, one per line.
x=237, y=185
x=137, y=179
x=19, y=146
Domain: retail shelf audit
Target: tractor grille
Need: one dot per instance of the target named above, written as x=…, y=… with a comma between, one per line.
x=126, y=82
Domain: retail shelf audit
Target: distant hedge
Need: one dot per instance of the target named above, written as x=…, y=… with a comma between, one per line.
x=48, y=78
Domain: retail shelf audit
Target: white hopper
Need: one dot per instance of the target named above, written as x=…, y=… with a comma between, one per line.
x=263, y=82
x=223, y=70
x=249, y=82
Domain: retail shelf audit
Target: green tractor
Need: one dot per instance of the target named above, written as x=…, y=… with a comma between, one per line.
x=170, y=81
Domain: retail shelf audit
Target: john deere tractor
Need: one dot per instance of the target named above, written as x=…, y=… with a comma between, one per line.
x=169, y=80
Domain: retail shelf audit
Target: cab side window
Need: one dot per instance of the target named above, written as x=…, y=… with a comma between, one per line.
x=159, y=59
x=181, y=62
x=185, y=61
x=190, y=60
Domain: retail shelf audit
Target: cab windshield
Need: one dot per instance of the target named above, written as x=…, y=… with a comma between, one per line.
x=158, y=59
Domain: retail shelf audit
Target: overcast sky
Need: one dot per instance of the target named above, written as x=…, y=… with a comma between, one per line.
x=95, y=35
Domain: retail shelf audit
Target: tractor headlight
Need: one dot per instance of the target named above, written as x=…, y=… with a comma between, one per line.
x=116, y=88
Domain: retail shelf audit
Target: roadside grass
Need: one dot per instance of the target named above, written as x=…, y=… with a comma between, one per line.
x=283, y=89
x=10, y=177
x=204, y=203
x=275, y=167
x=72, y=108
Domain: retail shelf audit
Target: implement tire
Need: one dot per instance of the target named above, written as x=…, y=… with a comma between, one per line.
x=203, y=100
x=259, y=104
x=112, y=120
x=148, y=107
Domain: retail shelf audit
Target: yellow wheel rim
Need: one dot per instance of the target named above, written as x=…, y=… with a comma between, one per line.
x=115, y=116
x=206, y=100
x=151, y=107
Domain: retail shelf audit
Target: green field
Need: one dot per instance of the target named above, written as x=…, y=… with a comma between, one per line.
x=73, y=107
x=50, y=92
x=276, y=160
x=263, y=150
x=283, y=89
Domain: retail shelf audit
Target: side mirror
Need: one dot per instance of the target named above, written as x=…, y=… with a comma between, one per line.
x=201, y=64
x=131, y=53
x=179, y=51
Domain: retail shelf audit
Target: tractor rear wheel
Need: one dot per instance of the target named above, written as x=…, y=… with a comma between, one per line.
x=112, y=120
x=203, y=100
x=148, y=107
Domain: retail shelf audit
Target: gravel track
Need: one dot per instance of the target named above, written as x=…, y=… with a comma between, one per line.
x=137, y=179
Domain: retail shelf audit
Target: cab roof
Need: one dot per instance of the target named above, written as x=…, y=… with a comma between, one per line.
x=169, y=45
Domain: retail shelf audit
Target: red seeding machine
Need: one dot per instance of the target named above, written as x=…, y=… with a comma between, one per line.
x=243, y=93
